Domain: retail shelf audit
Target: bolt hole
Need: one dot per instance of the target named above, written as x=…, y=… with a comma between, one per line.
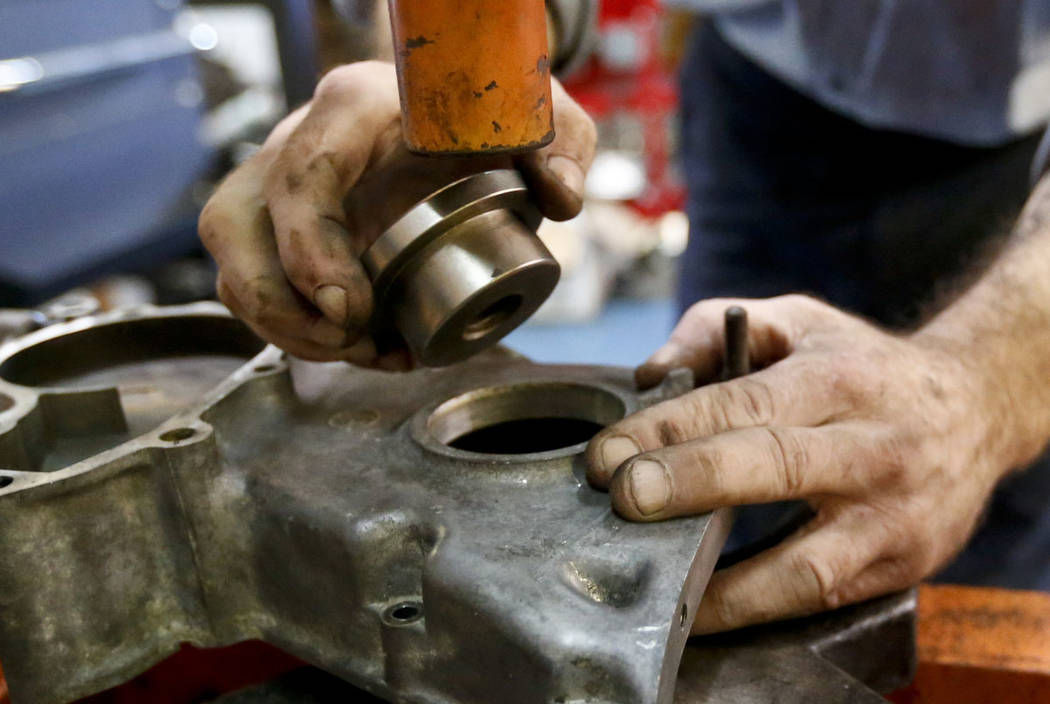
x=263, y=368
x=178, y=435
x=6, y=481
x=404, y=613
x=683, y=621
x=490, y=318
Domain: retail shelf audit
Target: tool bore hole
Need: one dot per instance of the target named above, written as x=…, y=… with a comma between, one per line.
x=683, y=619
x=6, y=481
x=178, y=435
x=492, y=316
x=525, y=418
x=404, y=613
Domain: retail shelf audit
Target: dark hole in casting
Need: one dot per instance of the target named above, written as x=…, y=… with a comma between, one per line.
x=525, y=435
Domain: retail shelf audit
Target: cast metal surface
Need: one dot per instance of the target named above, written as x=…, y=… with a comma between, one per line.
x=166, y=479
x=462, y=268
x=843, y=657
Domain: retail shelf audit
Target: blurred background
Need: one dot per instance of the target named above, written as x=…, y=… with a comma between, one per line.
x=119, y=117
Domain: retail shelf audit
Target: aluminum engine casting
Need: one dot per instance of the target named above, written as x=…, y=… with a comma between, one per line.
x=166, y=479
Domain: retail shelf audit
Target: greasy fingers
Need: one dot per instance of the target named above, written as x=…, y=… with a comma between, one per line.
x=320, y=161
x=276, y=313
x=754, y=465
x=277, y=226
x=235, y=228
x=556, y=173
x=800, y=395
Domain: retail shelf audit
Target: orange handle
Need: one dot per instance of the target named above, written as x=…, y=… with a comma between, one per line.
x=474, y=75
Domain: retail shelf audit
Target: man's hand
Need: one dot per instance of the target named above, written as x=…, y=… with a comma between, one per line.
x=288, y=226
x=895, y=442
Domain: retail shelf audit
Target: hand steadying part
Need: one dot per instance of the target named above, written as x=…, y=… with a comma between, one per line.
x=896, y=441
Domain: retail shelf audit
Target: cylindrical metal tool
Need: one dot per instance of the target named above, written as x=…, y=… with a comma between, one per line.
x=736, y=359
x=462, y=268
x=474, y=75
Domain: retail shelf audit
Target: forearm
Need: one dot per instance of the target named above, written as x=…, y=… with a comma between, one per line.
x=1001, y=328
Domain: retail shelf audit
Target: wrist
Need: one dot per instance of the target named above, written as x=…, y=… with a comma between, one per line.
x=990, y=389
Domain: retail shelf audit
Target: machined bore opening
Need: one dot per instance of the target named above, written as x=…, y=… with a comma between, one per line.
x=524, y=418
x=492, y=317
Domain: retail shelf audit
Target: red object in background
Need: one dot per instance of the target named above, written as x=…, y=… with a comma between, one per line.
x=627, y=80
x=980, y=645
x=194, y=675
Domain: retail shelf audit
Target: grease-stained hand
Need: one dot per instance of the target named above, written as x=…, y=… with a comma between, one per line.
x=894, y=441
x=288, y=226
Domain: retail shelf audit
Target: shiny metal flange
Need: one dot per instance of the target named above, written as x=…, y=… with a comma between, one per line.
x=462, y=268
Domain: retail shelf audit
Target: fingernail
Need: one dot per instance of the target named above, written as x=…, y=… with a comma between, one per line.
x=333, y=303
x=568, y=172
x=617, y=449
x=650, y=486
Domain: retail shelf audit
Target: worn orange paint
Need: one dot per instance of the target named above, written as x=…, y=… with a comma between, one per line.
x=474, y=75
x=979, y=645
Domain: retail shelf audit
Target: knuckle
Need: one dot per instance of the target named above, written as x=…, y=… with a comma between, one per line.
x=790, y=457
x=671, y=428
x=260, y=302
x=350, y=80
x=922, y=559
x=817, y=577
x=755, y=398
x=338, y=83
x=893, y=460
x=212, y=222
x=225, y=295
x=804, y=302
x=708, y=462
x=708, y=308
x=798, y=299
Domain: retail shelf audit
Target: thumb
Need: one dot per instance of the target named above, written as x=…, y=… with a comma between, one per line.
x=556, y=173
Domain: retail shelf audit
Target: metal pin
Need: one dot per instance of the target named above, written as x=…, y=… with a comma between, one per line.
x=736, y=359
